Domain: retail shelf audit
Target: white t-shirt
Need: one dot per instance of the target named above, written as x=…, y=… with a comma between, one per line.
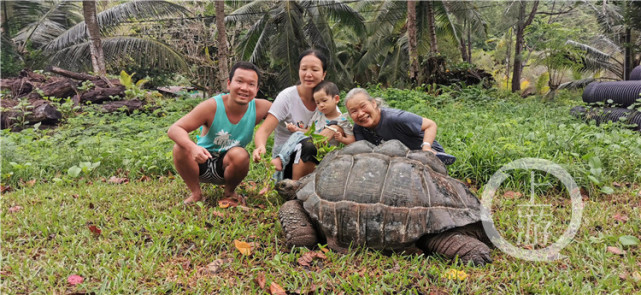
x=288, y=107
x=320, y=121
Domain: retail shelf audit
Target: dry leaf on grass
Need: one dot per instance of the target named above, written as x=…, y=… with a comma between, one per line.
x=620, y=217
x=117, y=180
x=276, y=289
x=75, y=280
x=30, y=183
x=260, y=280
x=15, y=209
x=615, y=250
x=144, y=178
x=215, y=266
x=512, y=194
x=227, y=202
x=5, y=188
x=94, y=229
x=243, y=247
x=307, y=258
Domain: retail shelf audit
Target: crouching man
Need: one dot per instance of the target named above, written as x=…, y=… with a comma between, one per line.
x=227, y=122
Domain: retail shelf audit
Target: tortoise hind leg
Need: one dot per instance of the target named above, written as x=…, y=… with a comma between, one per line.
x=297, y=226
x=454, y=243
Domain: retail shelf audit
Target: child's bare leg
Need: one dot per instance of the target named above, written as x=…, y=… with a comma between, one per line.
x=278, y=163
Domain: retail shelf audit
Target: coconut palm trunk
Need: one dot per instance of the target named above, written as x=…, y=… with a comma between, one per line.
x=223, y=51
x=93, y=29
x=411, y=33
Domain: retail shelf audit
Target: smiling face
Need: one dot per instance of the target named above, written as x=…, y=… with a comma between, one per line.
x=363, y=111
x=243, y=86
x=310, y=71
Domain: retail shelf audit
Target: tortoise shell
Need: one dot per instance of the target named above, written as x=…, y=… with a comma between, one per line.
x=385, y=197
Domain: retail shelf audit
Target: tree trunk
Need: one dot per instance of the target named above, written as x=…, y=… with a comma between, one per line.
x=411, y=33
x=627, y=59
x=469, y=43
x=223, y=51
x=518, y=46
x=93, y=30
x=431, y=28
x=462, y=43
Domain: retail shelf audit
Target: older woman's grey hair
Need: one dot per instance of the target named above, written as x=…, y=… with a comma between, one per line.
x=355, y=91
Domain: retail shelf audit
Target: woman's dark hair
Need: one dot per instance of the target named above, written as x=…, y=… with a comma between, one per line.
x=315, y=52
x=245, y=66
x=329, y=87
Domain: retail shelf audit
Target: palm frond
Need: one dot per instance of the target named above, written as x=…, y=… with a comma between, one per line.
x=341, y=13
x=41, y=22
x=157, y=54
x=114, y=16
x=247, y=13
x=596, y=53
x=576, y=84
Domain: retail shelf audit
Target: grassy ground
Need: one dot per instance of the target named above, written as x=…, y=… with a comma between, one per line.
x=150, y=244
x=136, y=237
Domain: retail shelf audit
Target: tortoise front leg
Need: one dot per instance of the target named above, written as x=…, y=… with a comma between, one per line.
x=456, y=243
x=297, y=226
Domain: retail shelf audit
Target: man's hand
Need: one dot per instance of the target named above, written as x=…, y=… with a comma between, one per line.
x=200, y=154
x=257, y=152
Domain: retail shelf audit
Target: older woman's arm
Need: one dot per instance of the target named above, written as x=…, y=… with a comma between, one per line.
x=429, y=128
x=263, y=132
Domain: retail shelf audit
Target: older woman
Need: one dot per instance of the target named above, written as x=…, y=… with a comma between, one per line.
x=375, y=124
x=294, y=105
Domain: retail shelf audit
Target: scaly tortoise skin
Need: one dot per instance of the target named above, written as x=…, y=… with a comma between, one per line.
x=384, y=197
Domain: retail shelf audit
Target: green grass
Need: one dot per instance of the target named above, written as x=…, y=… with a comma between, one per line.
x=150, y=244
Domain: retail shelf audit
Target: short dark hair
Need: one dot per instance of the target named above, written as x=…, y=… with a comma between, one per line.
x=329, y=87
x=315, y=52
x=245, y=66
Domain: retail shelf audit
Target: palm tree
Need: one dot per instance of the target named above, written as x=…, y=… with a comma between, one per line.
x=93, y=30
x=33, y=23
x=71, y=48
x=386, y=48
x=223, y=52
x=411, y=34
x=280, y=30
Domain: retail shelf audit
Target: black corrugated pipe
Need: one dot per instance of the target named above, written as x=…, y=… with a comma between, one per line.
x=636, y=73
x=622, y=93
x=601, y=115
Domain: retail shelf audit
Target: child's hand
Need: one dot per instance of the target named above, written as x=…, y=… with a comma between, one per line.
x=339, y=136
x=291, y=127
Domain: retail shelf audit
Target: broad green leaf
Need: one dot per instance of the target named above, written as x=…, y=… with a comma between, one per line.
x=628, y=240
x=74, y=171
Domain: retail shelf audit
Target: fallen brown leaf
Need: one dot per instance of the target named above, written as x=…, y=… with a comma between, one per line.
x=117, y=180
x=74, y=196
x=276, y=289
x=243, y=247
x=15, y=209
x=512, y=194
x=215, y=266
x=615, y=250
x=6, y=189
x=260, y=280
x=623, y=276
x=325, y=250
x=227, y=202
x=30, y=183
x=144, y=178
x=95, y=230
x=616, y=184
x=5, y=273
x=620, y=217
x=218, y=214
x=307, y=258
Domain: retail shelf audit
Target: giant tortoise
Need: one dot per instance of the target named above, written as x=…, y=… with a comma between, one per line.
x=384, y=197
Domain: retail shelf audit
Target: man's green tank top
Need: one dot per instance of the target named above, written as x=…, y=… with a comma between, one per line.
x=223, y=135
